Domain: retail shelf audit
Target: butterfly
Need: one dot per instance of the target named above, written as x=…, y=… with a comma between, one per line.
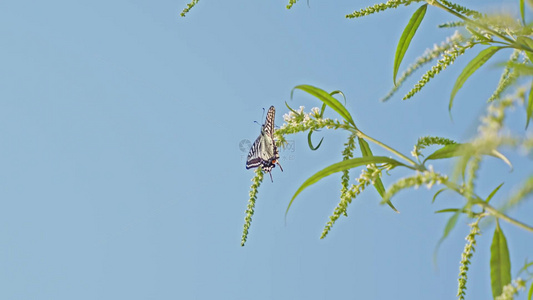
x=264, y=152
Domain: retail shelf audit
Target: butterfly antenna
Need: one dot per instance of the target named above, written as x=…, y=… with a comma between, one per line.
x=263, y=115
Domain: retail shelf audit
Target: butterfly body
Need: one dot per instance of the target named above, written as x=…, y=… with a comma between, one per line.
x=264, y=152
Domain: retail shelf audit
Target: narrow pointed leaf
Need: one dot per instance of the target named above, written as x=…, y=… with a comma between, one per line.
x=327, y=99
x=472, y=66
x=529, y=107
x=335, y=92
x=378, y=184
x=521, y=69
x=311, y=142
x=522, y=11
x=323, y=109
x=478, y=35
x=407, y=36
x=499, y=155
x=530, y=294
x=452, y=221
x=438, y=193
x=448, y=210
x=290, y=108
x=500, y=265
x=448, y=151
x=494, y=192
x=528, y=43
x=341, y=166
x=453, y=150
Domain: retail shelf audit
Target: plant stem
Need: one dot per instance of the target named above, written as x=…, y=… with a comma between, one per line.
x=416, y=166
x=493, y=211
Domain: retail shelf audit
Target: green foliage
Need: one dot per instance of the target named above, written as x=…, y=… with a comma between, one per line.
x=428, y=56
x=529, y=107
x=426, y=141
x=341, y=166
x=367, y=176
x=328, y=99
x=448, y=58
x=378, y=184
x=491, y=195
x=511, y=289
x=494, y=32
x=407, y=36
x=472, y=66
x=500, y=264
x=453, y=24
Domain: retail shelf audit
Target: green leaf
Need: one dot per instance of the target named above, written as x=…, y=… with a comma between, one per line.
x=311, y=143
x=437, y=193
x=378, y=184
x=341, y=166
x=521, y=69
x=452, y=221
x=365, y=148
x=449, y=210
x=478, y=35
x=497, y=154
x=528, y=43
x=529, y=107
x=500, y=265
x=407, y=36
x=530, y=294
x=494, y=192
x=290, y=108
x=522, y=11
x=327, y=99
x=453, y=150
x=448, y=151
x=335, y=92
x=472, y=66
x=323, y=109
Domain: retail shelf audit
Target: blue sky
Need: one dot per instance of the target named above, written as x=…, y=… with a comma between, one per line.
x=121, y=174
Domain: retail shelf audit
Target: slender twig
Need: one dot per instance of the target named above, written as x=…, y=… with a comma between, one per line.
x=410, y=161
x=491, y=210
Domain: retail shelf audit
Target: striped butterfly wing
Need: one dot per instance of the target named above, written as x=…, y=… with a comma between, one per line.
x=268, y=127
x=254, y=160
x=264, y=151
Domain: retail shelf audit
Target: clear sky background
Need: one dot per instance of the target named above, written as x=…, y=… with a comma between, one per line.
x=121, y=175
